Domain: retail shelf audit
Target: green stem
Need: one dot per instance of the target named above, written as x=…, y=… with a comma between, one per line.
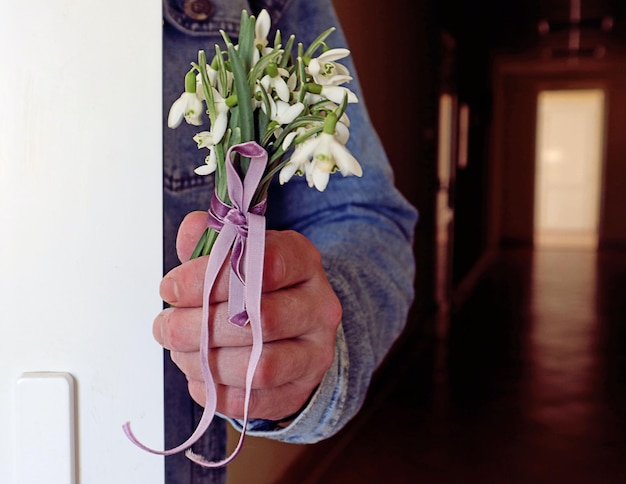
x=205, y=244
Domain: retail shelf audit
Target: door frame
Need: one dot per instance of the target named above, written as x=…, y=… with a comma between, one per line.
x=511, y=183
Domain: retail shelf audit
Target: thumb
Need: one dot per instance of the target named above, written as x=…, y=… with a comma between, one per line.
x=189, y=233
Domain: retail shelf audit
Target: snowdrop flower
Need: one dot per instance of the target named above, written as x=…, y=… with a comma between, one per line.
x=275, y=81
x=261, y=29
x=289, y=139
x=298, y=161
x=187, y=106
x=282, y=112
x=326, y=71
x=330, y=155
x=342, y=131
x=205, y=140
x=336, y=94
x=332, y=93
x=212, y=74
x=221, y=122
x=320, y=156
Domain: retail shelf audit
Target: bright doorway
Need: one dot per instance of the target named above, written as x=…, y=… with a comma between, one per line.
x=570, y=130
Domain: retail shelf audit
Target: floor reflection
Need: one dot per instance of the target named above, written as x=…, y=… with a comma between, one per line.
x=528, y=386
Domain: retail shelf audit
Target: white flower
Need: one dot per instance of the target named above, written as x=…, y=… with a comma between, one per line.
x=291, y=136
x=261, y=29
x=277, y=84
x=213, y=76
x=205, y=140
x=187, y=106
x=326, y=71
x=282, y=112
x=318, y=157
x=292, y=82
x=336, y=94
x=218, y=128
x=293, y=166
x=342, y=133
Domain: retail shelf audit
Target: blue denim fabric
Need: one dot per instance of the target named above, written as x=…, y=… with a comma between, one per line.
x=362, y=226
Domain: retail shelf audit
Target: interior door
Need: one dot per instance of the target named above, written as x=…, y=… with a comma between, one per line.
x=570, y=129
x=80, y=257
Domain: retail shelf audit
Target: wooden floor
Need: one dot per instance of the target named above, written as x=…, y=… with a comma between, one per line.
x=526, y=383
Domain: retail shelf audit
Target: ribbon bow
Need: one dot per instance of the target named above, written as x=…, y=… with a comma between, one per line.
x=241, y=228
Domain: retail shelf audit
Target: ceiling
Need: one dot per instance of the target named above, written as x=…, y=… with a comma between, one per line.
x=513, y=24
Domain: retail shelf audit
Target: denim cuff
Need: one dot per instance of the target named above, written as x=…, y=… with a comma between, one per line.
x=321, y=417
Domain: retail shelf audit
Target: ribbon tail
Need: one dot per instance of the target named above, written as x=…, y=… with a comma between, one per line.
x=237, y=313
x=217, y=258
x=245, y=290
x=253, y=291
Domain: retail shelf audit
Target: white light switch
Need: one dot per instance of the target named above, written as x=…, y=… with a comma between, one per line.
x=45, y=429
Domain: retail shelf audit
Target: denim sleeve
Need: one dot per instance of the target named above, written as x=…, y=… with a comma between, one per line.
x=364, y=229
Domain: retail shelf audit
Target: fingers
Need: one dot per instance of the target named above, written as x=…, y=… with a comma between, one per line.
x=189, y=233
x=290, y=259
x=274, y=404
x=290, y=313
x=281, y=385
x=300, y=314
x=281, y=362
x=183, y=286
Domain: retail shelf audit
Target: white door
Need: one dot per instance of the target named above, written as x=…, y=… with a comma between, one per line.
x=80, y=251
x=569, y=158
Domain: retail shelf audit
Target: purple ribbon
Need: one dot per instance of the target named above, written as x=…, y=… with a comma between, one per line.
x=221, y=214
x=242, y=229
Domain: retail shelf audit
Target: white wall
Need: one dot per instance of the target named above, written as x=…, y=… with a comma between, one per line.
x=80, y=224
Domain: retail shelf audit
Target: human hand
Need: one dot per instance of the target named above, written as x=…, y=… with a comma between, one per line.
x=300, y=314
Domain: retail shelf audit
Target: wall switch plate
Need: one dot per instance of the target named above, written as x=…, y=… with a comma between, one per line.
x=45, y=428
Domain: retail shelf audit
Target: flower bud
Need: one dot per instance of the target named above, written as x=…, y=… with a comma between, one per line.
x=330, y=123
x=272, y=69
x=190, y=81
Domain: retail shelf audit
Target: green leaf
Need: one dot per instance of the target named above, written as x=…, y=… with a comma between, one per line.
x=206, y=86
x=246, y=119
x=246, y=40
x=318, y=42
x=287, y=52
x=222, y=72
x=301, y=76
x=258, y=70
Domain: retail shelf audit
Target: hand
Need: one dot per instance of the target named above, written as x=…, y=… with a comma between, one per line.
x=300, y=314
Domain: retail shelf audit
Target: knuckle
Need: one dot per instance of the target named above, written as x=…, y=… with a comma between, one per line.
x=231, y=401
x=327, y=357
x=275, y=267
x=170, y=330
x=332, y=313
x=197, y=391
x=271, y=319
x=265, y=373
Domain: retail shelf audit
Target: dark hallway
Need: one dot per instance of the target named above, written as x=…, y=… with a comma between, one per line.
x=523, y=381
x=526, y=386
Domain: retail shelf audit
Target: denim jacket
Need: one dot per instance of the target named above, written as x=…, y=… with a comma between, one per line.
x=363, y=227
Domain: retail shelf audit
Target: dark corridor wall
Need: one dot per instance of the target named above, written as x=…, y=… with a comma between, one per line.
x=394, y=45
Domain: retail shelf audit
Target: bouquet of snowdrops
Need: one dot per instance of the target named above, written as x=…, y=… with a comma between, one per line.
x=287, y=98
x=271, y=110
